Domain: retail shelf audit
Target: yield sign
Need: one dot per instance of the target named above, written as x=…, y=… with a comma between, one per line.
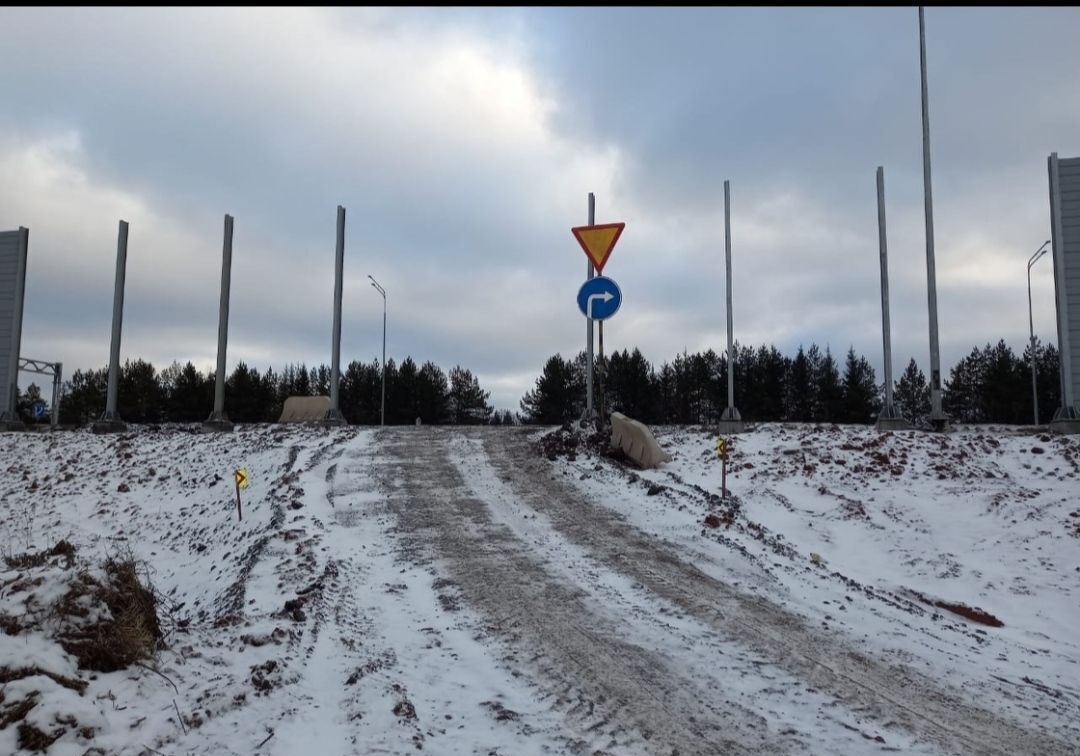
x=598, y=241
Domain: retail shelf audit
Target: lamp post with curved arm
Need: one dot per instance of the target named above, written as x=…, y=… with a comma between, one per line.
x=381, y=290
x=1031, y=325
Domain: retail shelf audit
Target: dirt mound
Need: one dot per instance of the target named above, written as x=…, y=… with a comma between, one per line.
x=968, y=612
x=571, y=440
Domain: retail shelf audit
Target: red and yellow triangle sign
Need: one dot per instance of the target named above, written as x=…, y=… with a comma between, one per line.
x=598, y=241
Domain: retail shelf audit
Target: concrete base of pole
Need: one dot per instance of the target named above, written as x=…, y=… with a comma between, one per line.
x=890, y=419
x=334, y=419
x=939, y=421
x=9, y=422
x=1065, y=427
x=217, y=423
x=731, y=422
x=109, y=424
x=730, y=426
x=1066, y=421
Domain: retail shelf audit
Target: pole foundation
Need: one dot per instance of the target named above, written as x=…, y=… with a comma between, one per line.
x=218, y=422
x=110, y=422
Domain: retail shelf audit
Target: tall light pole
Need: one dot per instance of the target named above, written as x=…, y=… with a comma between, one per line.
x=937, y=417
x=381, y=290
x=1031, y=325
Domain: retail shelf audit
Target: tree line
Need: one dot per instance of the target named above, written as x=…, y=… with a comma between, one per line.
x=990, y=385
x=183, y=394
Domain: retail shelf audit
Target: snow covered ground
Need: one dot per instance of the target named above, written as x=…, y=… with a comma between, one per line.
x=389, y=591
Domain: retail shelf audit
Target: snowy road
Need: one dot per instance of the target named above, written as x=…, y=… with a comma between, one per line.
x=454, y=591
x=640, y=648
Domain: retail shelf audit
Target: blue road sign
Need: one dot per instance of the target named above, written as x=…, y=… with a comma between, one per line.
x=599, y=298
x=39, y=410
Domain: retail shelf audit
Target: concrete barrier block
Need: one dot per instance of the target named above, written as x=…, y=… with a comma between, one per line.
x=304, y=409
x=636, y=441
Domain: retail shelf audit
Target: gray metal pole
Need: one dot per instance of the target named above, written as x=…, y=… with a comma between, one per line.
x=730, y=324
x=936, y=415
x=333, y=415
x=589, y=273
x=111, y=416
x=382, y=291
x=382, y=411
x=1031, y=326
x=218, y=420
x=58, y=387
x=1034, y=376
x=885, y=327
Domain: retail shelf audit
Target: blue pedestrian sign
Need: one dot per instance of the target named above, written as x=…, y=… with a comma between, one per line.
x=599, y=298
x=39, y=410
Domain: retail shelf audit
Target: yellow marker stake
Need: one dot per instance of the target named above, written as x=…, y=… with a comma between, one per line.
x=721, y=451
x=241, y=477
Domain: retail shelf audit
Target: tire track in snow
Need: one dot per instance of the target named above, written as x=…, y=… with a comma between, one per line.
x=889, y=693
x=622, y=695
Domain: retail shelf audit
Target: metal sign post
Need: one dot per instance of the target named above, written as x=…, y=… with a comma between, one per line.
x=589, y=273
x=721, y=451
x=597, y=242
x=241, y=478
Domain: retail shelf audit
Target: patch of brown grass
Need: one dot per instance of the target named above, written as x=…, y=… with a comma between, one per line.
x=9, y=674
x=968, y=612
x=17, y=711
x=131, y=631
x=23, y=561
x=33, y=739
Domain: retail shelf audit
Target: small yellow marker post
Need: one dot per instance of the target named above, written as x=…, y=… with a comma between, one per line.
x=241, y=476
x=721, y=452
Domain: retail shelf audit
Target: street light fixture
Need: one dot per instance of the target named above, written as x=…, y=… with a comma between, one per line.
x=1031, y=325
x=381, y=290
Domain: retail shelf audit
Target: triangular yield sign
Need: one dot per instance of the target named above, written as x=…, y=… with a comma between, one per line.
x=598, y=241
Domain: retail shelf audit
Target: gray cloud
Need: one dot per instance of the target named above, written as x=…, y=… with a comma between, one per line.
x=463, y=142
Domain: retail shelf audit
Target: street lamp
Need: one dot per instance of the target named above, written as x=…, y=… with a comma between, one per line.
x=1031, y=325
x=381, y=290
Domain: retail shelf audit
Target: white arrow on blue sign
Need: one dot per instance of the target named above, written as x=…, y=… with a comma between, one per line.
x=39, y=410
x=599, y=298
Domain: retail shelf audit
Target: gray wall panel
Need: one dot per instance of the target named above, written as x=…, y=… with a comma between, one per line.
x=10, y=284
x=1065, y=217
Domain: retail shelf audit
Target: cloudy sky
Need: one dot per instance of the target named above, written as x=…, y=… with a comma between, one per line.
x=463, y=144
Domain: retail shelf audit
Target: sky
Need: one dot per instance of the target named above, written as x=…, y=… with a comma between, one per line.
x=463, y=143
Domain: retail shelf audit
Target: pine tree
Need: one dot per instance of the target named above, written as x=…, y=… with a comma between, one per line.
x=962, y=389
x=830, y=392
x=1048, y=381
x=468, y=403
x=1002, y=399
x=860, y=403
x=139, y=395
x=432, y=396
x=84, y=397
x=800, y=389
x=551, y=401
x=911, y=396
